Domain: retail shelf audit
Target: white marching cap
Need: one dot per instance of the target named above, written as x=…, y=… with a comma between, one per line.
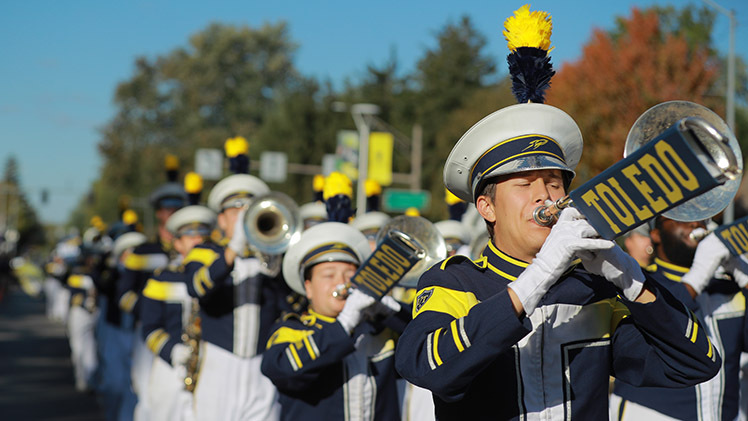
x=191, y=215
x=315, y=211
x=370, y=221
x=126, y=241
x=325, y=242
x=521, y=137
x=237, y=185
x=450, y=228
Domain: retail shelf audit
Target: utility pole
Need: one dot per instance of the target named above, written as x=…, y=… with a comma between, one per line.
x=729, y=213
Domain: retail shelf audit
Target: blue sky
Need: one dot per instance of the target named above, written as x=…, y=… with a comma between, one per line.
x=61, y=60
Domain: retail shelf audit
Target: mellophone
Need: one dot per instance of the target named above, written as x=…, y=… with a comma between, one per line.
x=681, y=161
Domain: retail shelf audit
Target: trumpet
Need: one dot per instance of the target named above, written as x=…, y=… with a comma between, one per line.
x=714, y=147
x=272, y=223
x=698, y=234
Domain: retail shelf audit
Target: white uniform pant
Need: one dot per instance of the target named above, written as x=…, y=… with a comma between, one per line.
x=231, y=388
x=62, y=305
x=52, y=287
x=168, y=400
x=634, y=412
x=81, y=333
x=142, y=361
x=417, y=403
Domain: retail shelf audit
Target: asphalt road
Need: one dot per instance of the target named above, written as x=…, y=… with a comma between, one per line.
x=36, y=376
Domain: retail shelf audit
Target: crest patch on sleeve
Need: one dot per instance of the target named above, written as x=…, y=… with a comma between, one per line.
x=422, y=298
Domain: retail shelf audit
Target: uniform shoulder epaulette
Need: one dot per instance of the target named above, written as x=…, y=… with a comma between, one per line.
x=459, y=258
x=289, y=316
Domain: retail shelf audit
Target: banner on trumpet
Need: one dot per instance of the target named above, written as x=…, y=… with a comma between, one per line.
x=392, y=259
x=734, y=236
x=658, y=176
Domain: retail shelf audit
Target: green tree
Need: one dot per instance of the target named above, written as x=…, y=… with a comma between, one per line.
x=447, y=76
x=15, y=210
x=223, y=84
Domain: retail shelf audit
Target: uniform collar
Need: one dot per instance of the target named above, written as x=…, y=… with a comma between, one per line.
x=501, y=263
x=669, y=270
x=321, y=317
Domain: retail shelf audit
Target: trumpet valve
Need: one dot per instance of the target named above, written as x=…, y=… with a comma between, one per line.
x=341, y=291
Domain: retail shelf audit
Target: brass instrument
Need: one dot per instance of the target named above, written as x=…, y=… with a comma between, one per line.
x=272, y=223
x=716, y=148
x=421, y=236
x=191, y=337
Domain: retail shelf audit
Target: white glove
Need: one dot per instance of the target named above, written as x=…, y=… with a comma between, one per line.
x=710, y=254
x=738, y=267
x=571, y=234
x=238, y=241
x=180, y=354
x=391, y=303
x=351, y=314
x=617, y=267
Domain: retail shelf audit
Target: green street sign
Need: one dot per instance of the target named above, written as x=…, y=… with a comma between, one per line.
x=398, y=200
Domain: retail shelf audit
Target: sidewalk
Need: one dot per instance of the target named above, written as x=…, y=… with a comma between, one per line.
x=36, y=376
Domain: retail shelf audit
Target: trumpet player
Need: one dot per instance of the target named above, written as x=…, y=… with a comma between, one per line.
x=691, y=271
x=239, y=299
x=335, y=361
x=526, y=332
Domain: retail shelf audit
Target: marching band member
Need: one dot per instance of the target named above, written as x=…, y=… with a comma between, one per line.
x=690, y=270
x=240, y=298
x=524, y=319
x=332, y=362
x=166, y=312
x=139, y=266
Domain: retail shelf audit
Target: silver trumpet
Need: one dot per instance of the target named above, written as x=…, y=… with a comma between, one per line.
x=719, y=149
x=272, y=223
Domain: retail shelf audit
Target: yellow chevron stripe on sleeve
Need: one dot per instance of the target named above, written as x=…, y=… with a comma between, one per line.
x=202, y=255
x=295, y=355
x=156, y=340
x=128, y=300
x=437, y=358
x=308, y=347
x=444, y=300
x=456, y=336
x=201, y=280
x=695, y=331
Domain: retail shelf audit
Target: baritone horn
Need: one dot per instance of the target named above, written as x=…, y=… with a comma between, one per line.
x=714, y=145
x=272, y=223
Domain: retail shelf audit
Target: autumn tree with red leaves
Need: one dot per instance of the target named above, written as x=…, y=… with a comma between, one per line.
x=617, y=79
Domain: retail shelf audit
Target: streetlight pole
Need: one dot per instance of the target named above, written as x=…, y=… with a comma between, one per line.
x=360, y=112
x=729, y=213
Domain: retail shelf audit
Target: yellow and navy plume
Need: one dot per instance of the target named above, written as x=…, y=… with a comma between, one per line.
x=373, y=195
x=528, y=36
x=171, y=163
x=318, y=185
x=338, y=194
x=193, y=186
x=457, y=207
x=237, y=150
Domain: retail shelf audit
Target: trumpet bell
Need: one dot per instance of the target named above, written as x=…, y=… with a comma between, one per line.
x=423, y=234
x=660, y=118
x=272, y=223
